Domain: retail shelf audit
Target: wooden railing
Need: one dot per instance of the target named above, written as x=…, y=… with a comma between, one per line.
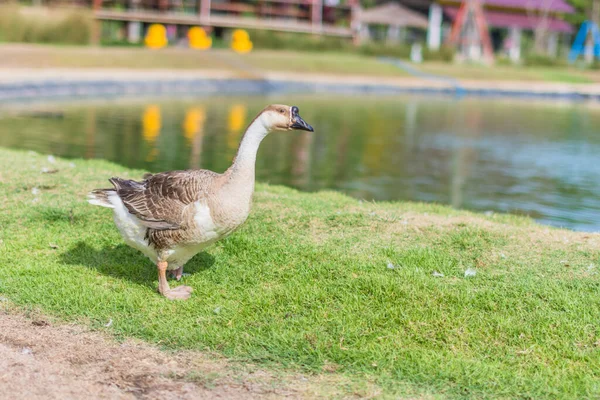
x=265, y=15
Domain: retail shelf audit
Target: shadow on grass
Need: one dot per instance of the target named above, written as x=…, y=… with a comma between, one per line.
x=123, y=262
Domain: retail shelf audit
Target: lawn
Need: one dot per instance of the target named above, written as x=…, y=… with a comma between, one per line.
x=36, y=56
x=513, y=73
x=327, y=63
x=322, y=283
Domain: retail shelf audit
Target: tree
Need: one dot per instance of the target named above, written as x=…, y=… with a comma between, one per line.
x=584, y=10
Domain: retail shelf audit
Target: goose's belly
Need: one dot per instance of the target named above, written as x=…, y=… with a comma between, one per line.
x=131, y=229
x=205, y=232
x=179, y=255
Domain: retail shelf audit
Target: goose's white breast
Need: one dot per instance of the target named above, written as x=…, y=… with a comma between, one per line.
x=204, y=222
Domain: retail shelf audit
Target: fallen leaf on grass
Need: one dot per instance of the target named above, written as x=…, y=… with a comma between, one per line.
x=470, y=272
x=26, y=350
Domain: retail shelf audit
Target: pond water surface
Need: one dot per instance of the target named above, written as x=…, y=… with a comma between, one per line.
x=538, y=159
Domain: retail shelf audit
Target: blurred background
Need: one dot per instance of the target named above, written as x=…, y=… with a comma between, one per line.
x=527, y=157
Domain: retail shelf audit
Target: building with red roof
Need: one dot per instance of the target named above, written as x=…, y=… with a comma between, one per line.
x=509, y=19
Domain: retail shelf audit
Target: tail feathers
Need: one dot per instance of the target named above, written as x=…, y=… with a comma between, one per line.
x=99, y=197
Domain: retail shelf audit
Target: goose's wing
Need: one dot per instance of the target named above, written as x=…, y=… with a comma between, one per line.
x=160, y=200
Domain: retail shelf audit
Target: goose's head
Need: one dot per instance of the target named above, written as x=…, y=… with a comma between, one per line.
x=278, y=117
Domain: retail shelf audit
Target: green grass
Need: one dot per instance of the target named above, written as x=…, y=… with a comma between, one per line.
x=513, y=73
x=325, y=62
x=305, y=285
x=36, y=56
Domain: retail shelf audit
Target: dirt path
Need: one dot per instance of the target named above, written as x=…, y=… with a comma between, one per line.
x=39, y=360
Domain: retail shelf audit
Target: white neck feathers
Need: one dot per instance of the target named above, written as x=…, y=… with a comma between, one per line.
x=245, y=160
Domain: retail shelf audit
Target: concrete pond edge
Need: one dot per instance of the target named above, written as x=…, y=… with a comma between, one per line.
x=106, y=84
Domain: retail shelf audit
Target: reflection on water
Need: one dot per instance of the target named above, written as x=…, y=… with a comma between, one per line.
x=534, y=159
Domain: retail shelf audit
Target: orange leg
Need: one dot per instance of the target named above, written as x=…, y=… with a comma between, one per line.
x=178, y=293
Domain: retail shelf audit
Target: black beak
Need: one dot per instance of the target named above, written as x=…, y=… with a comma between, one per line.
x=298, y=122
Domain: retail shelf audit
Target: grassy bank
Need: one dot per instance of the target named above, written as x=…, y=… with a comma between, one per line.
x=326, y=62
x=323, y=283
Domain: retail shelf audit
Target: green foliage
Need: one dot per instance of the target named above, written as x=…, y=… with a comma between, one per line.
x=445, y=54
x=306, y=42
x=387, y=50
x=263, y=39
x=582, y=11
x=541, y=60
x=19, y=24
x=503, y=61
x=321, y=281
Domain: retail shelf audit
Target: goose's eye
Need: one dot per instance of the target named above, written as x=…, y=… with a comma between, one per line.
x=281, y=110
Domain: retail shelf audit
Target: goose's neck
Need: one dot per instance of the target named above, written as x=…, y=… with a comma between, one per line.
x=245, y=159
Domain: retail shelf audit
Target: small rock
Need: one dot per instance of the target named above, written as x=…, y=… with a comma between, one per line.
x=53, y=246
x=26, y=350
x=437, y=274
x=109, y=323
x=35, y=191
x=217, y=310
x=51, y=159
x=590, y=267
x=502, y=255
x=470, y=272
x=390, y=265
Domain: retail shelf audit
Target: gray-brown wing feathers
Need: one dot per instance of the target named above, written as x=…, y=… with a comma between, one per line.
x=160, y=200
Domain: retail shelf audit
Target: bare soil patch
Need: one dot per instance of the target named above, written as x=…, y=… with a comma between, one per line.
x=40, y=360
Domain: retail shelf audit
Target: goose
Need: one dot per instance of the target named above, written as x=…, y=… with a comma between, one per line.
x=172, y=216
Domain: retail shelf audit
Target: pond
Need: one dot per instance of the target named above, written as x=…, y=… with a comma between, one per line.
x=537, y=159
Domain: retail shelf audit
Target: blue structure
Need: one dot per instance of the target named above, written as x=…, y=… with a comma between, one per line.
x=579, y=43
